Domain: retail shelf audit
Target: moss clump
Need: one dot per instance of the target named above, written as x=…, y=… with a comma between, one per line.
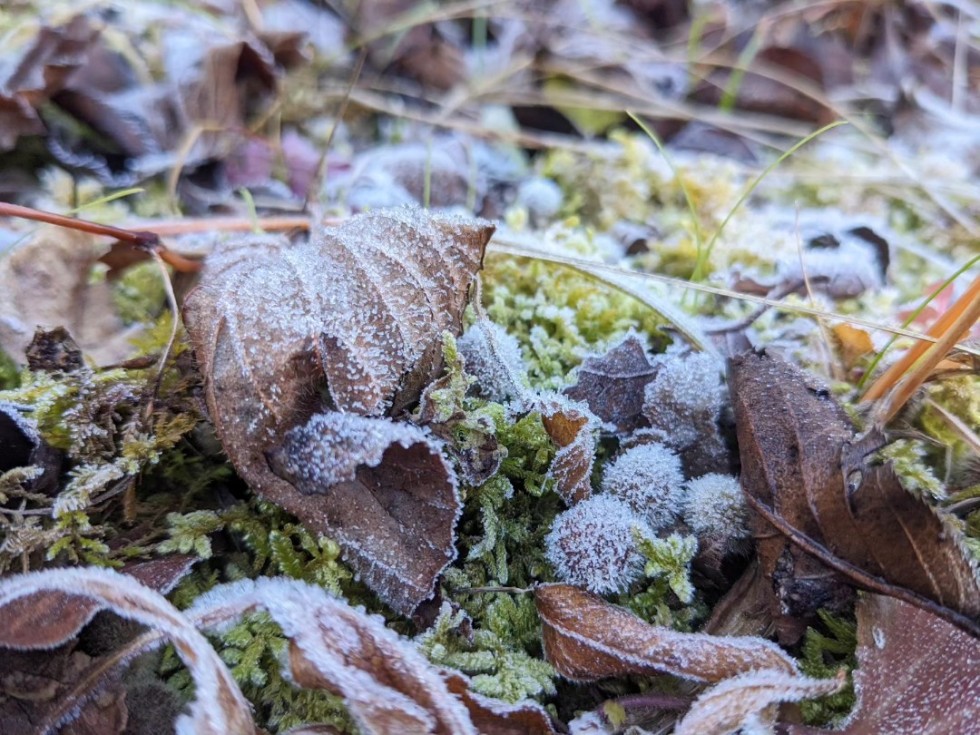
x=826, y=649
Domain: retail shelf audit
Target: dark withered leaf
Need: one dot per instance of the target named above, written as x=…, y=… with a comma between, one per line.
x=357, y=311
x=571, y=427
x=798, y=460
x=39, y=73
x=587, y=638
x=612, y=384
x=916, y=673
x=388, y=496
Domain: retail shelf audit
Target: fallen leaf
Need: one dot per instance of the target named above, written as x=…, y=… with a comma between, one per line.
x=46, y=280
x=571, y=428
x=746, y=701
x=495, y=717
x=358, y=311
x=853, y=344
x=916, y=673
x=39, y=73
x=587, y=638
x=800, y=465
x=219, y=706
x=612, y=384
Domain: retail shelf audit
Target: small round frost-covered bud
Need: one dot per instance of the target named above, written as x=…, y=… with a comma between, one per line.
x=542, y=197
x=685, y=398
x=649, y=480
x=494, y=358
x=592, y=545
x=715, y=510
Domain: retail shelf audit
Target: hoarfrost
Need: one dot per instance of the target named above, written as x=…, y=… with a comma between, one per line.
x=649, y=480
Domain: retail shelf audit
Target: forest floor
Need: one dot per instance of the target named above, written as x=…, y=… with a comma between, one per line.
x=490, y=367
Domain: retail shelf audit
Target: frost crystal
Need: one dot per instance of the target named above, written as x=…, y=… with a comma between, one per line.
x=494, y=358
x=593, y=545
x=649, y=480
x=685, y=398
x=714, y=508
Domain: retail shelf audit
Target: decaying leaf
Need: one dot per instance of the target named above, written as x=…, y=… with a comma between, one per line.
x=586, y=638
x=799, y=463
x=494, y=717
x=358, y=312
x=219, y=707
x=46, y=281
x=613, y=384
x=746, y=701
x=916, y=673
x=571, y=428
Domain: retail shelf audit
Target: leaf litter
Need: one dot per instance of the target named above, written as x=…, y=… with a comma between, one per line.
x=467, y=436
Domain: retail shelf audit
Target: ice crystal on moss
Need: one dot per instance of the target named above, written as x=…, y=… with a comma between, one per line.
x=649, y=480
x=593, y=545
x=686, y=394
x=908, y=460
x=715, y=509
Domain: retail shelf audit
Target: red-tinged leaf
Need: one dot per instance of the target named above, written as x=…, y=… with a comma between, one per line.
x=219, y=707
x=916, y=673
x=587, y=638
x=613, y=384
x=359, y=312
x=746, y=701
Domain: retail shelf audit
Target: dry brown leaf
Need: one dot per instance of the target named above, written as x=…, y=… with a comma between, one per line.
x=587, y=638
x=46, y=281
x=495, y=717
x=613, y=384
x=357, y=311
x=746, y=701
x=799, y=464
x=40, y=72
x=571, y=427
x=916, y=674
x=219, y=707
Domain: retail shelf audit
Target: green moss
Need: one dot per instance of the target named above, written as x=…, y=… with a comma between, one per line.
x=670, y=558
x=959, y=396
x=559, y=315
x=254, y=650
x=908, y=459
x=139, y=294
x=496, y=654
x=9, y=373
x=825, y=650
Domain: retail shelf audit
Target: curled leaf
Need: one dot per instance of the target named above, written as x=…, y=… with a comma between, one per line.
x=802, y=466
x=349, y=321
x=587, y=638
x=571, y=428
x=219, y=707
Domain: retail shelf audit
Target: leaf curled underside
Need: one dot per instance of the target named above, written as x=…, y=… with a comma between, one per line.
x=587, y=638
x=802, y=463
x=354, y=314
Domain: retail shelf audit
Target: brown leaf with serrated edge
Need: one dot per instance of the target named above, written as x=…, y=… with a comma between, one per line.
x=800, y=465
x=916, y=674
x=612, y=384
x=357, y=311
x=570, y=427
x=587, y=638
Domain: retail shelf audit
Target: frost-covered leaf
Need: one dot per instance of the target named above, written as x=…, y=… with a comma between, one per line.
x=389, y=497
x=916, y=673
x=219, y=707
x=46, y=281
x=586, y=638
x=612, y=384
x=357, y=311
x=800, y=465
x=571, y=427
x=494, y=717
x=745, y=702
